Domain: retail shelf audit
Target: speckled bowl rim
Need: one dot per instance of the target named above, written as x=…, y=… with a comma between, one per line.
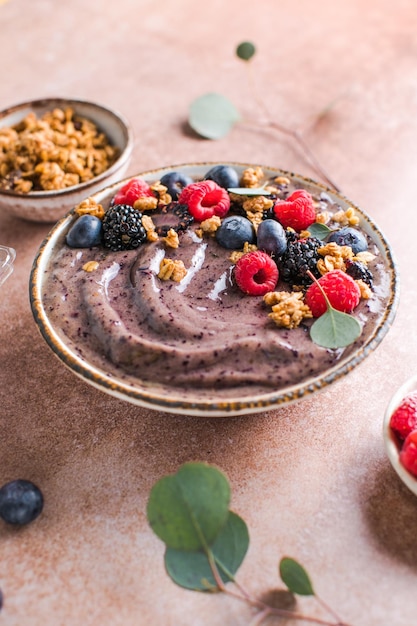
x=124, y=155
x=149, y=397
x=390, y=440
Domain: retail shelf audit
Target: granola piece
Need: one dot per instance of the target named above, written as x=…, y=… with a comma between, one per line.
x=334, y=257
x=323, y=217
x=171, y=240
x=288, y=309
x=364, y=257
x=146, y=203
x=346, y=218
x=256, y=218
x=91, y=207
x=172, y=270
x=257, y=204
x=252, y=176
x=161, y=193
x=237, y=254
x=149, y=226
x=364, y=288
x=282, y=181
x=90, y=266
x=210, y=225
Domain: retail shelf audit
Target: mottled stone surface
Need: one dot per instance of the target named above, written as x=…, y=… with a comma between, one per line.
x=312, y=480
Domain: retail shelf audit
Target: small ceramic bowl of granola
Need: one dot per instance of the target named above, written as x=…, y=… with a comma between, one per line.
x=55, y=152
x=148, y=308
x=400, y=450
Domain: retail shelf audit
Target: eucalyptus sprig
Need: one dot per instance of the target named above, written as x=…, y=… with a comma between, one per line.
x=206, y=542
x=213, y=115
x=334, y=329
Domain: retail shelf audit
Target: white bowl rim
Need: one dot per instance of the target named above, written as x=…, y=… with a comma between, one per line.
x=230, y=406
x=62, y=101
x=390, y=440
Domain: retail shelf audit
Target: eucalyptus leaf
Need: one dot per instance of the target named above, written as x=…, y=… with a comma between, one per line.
x=295, y=577
x=335, y=329
x=245, y=50
x=192, y=569
x=320, y=231
x=212, y=115
x=187, y=510
x=249, y=191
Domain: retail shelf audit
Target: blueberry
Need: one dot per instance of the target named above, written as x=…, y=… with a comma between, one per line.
x=271, y=237
x=223, y=175
x=175, y=183
x=234, y=231
x=85, y=233
x=350, y=237
x=20, y=502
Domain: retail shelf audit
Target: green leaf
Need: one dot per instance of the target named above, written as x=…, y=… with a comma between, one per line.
x=320, y=231
x=245, y=50
x=192, y=569
x=212, y=116
x=295, y=577
x=335, y=329
x=249, y=191
x=188, y=509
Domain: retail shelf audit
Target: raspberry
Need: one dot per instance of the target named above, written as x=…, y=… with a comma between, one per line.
x=256, y=273
x=205, y=199
x=297, y=211
x=131, y=191
x=404, y=418
x=408, y=453
x=342, y=291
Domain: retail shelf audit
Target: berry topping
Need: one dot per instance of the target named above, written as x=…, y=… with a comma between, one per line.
x=173, y=215
x=234, y=232
x=85, y=232
x=359, y=271
x=205, y=199
x=300, y=257
x=122, y=228
x=341, y=290
x=271, y=237
x=351, y=237
x=175, y=183
x=224, y=175
x=408, y=453
x=256, y=273
x=20, y=502
x=297, y=211
x=404, y=418
x=134, y=189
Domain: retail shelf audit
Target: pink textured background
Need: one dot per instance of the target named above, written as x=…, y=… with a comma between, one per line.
x=312, y=480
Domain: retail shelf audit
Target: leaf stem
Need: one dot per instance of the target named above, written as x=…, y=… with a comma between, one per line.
x=297, y=135
x=266, y=610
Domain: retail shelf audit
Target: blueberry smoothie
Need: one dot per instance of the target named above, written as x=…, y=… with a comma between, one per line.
x=197, y=287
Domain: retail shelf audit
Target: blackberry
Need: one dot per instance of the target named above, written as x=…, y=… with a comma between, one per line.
x=359, y=271
x=300, y=257
x=122, y=228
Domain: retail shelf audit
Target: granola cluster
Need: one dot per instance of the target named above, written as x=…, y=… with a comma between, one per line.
x=58, y=150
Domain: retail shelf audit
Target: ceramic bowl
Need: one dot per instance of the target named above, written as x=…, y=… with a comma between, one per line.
x=49, y=206
x=392, y=445
x=7, y=257
x=215, y=402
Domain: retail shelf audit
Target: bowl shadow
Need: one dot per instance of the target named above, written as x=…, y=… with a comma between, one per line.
x=391, y=514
